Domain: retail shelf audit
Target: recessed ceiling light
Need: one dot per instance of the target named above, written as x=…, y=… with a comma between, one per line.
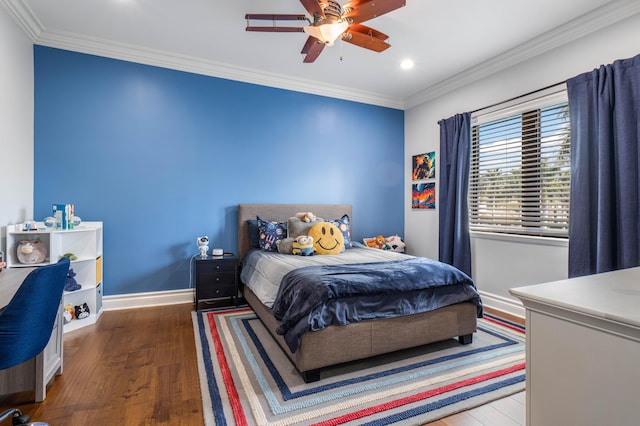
x=406, y=64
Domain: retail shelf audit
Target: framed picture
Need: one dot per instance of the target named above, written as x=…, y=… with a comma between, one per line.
x=424, y=166
x=423, y=195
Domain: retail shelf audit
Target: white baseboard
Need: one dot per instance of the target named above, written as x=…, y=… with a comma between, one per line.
x=145, y=300
x=174, y=297
x=501, y=303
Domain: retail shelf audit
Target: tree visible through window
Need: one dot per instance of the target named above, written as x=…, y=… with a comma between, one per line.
x=520, y=172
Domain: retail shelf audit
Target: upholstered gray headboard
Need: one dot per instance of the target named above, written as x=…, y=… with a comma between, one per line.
x=281, y=212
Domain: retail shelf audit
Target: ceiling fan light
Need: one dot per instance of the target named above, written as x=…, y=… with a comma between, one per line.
x=326, y=33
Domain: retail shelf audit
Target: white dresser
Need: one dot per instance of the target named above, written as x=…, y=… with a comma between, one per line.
x=583, y=350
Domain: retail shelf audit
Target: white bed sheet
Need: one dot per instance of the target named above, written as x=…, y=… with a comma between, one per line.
x=263, y=271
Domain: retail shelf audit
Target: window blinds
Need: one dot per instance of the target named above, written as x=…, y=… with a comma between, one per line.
x=520, y=169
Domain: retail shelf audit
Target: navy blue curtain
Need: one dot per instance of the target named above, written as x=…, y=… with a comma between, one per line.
x=604, y=107
x=453, y=210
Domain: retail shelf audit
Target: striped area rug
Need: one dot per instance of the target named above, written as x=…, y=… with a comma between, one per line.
x=247, y=380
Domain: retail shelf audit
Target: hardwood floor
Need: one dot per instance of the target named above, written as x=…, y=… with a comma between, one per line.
x=138, y=367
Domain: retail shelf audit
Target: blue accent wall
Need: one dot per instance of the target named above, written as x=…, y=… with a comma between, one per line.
x=164, y=156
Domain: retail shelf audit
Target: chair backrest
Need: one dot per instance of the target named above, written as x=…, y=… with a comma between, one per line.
x=27, y=321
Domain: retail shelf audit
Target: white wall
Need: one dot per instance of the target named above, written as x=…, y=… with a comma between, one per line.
x=499, y=264
x=16, y=123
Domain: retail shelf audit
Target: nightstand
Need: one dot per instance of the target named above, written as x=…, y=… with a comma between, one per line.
x=216, y=277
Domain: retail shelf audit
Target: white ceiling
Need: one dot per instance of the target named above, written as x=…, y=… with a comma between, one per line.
x=451, y=42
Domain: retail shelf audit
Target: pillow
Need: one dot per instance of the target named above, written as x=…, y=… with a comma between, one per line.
x=327, y=238
x=254, y=233
x=296, y=227
x=344, y=225
x=270, y=233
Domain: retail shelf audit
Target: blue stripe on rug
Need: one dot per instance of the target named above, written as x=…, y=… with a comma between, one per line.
x=504, y=321
x=216, y=401
x=432, y=406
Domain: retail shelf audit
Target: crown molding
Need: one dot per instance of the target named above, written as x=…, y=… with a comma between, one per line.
x=101, y=47
x=24, y=17
x=584, y=25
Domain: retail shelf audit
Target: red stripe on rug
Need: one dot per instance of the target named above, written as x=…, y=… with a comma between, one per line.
x=234, y=399
x=419, y=396
x=504, y=324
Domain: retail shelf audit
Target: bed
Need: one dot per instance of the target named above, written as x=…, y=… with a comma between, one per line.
x=336, y=344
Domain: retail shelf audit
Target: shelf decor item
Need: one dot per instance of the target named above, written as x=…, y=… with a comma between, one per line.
x=203, y=245
x=63, y=213
x=31, y=251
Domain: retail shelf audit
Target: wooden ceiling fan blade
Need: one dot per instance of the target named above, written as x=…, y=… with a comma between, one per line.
x=275, y=17
x=312, y=49
x=276, y=29
x=371, y=39
x=368, y=31
x=313, y=7
x=357, y=11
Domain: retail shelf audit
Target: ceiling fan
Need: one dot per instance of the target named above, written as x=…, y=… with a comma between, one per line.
x=330, y=21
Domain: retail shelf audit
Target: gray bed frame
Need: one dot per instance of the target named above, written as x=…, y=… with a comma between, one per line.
x=339, y=344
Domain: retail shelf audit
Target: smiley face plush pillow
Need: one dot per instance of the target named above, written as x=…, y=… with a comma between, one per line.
x=327, y=238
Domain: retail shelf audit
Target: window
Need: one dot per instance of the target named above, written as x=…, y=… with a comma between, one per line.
x=520, y=168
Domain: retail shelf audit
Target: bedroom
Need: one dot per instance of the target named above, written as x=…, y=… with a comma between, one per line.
x=135, y=197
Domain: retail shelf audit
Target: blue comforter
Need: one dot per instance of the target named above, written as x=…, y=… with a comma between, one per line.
x=314, y=297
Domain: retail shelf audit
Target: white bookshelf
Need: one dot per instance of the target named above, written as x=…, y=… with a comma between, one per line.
x=85, y=242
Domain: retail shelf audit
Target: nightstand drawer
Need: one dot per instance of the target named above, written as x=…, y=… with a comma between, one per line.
x=213, y=292
x=206, y=276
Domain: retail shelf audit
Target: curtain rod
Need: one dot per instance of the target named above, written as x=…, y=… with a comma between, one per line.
x=518, y=97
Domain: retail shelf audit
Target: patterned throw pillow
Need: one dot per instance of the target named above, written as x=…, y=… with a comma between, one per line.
x=270, y=233
x=344, y=225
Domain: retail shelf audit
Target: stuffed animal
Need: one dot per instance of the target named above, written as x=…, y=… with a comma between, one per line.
x=31, y=251
x=396, y=243
x=378, y=242
x=68, y=314
x=82, y=311
x=306, y=216
x=71, y=256
x=327, y=238
x=71, y=284
x=303, y=245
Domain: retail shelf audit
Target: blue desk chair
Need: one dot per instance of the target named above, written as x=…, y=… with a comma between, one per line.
x=27, y=321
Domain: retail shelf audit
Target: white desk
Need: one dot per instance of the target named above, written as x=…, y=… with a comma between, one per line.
x=583, y=350
x=32, y=375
